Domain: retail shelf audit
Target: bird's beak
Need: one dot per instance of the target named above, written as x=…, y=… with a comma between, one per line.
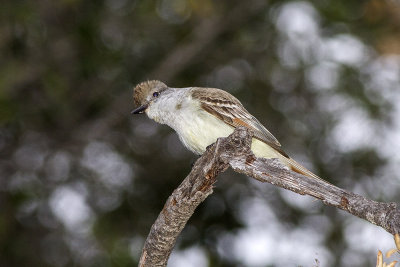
x=140, y=109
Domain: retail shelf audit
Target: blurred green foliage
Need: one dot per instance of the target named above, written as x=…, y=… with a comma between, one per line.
x=81, y=181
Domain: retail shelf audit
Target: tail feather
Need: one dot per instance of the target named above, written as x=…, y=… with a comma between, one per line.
x=297, y=167
x=261, y=149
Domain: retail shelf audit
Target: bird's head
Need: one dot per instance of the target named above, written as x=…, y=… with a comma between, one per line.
x=145, y=93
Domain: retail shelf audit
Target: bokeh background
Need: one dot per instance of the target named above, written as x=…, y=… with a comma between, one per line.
x=82, y=181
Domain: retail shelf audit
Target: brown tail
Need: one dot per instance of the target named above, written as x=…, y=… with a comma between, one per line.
x=297, y=167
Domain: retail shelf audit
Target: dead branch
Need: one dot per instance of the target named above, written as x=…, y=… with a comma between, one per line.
x=234, y=151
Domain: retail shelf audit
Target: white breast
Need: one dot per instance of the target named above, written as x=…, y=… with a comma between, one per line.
x=196, y=128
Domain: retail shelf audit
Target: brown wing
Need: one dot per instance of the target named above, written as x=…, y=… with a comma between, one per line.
x=227, y=108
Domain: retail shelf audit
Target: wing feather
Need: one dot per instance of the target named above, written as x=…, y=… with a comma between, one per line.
x=227, y=108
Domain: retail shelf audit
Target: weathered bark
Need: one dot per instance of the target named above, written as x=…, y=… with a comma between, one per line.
x=234, y=151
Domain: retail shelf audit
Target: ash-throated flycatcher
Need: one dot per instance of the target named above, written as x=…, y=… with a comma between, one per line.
x=201, y=115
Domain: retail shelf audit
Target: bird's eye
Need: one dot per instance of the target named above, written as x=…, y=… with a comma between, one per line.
x=155, y=94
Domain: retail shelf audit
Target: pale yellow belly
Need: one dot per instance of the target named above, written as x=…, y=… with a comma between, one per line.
x=202, y=131
x=198, y=133
x=261, y=149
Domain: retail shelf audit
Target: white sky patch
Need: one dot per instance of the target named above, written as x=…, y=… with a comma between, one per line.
x=383, y=76
x=390, y=145
x=288, y=55
x=256, y=212
x=298, y=23
x=323, y=75
x=345, y=49
x=334, y=103
x=363, y=236
x=354, y=130
x=259, y=246
x=69, y=206
x=111, y=168
x=389, y=181
x=255, y=247
x=265, y=241
x=382, y=79
x=298, y=19
x=190, y=257
x=382, y=83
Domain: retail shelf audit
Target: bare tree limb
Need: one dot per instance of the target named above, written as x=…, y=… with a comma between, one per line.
x=234, y=151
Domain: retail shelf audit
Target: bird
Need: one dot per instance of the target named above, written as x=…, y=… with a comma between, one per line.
x=201, y=115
